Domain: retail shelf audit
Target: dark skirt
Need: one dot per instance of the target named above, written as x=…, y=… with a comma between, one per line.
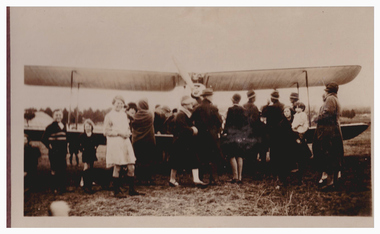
x=89, y=157
x=145, y=152
x=183, y=155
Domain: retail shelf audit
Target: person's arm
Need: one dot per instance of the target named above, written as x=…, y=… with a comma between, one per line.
x=45, y=137
x=108, y=128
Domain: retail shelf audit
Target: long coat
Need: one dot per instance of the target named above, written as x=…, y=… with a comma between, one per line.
x=274, y=116
x=183, y=153
x=328, y=141
x=209, y=123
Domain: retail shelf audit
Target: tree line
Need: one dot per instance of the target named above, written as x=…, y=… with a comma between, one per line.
x=96, y=116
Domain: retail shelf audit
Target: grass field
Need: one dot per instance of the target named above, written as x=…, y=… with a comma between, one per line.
x=253, y=198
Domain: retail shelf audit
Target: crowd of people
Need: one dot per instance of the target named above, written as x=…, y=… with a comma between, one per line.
x=202, y=141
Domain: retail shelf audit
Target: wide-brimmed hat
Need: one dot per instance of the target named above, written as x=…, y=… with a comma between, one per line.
x=294, y=96
x=207, y=92
x=275, y=95
x=186, y=100
x=118, y=97
x=251, y=94
x=332, y=87
x=236, y=98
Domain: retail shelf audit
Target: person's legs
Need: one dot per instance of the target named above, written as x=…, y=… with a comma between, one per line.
x=117, y=182
x=131, y=180
x=240, y=168
x=234, y=168
x=173, y=177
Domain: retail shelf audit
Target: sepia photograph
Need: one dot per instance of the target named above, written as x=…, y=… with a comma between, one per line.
x=191, y=116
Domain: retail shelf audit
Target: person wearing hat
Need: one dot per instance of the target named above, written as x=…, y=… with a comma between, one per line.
x=236, y=131
x=273, y=113
x=184, y=155
x=54, y=138
x=119, y=148
x=328, y=142
x=209, y=124
x=294, y=97
x=257, y=132
x=144, y=143
x=88, y=144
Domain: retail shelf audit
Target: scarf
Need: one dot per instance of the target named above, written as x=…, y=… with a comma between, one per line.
x=186, y=111
x=143, y=123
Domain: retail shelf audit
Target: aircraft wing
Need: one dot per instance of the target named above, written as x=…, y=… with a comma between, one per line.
x=279, y=78
x=166, y=81
x=101, y=78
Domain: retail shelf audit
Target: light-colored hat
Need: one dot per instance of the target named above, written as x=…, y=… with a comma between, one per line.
x=186, y=100
x=89, y=121
x=118, y=97
x=251, y=94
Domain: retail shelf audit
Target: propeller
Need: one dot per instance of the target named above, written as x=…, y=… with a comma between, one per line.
x=184, y=74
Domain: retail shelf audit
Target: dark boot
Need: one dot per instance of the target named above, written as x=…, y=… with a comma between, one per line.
x=87, y=178
x=116, y=188
x=131, y=182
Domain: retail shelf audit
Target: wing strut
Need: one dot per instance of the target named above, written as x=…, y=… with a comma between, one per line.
x=71, y=94
x=308, y=99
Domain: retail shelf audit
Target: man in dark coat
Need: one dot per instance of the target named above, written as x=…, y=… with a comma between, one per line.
x=54, y=138
x=209, y=123
x=184, y=155
x=273, y=113
x=328, y=141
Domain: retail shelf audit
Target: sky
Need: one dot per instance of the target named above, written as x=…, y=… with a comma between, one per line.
x=203, y=39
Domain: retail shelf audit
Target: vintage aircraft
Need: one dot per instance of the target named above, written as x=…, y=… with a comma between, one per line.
x=167, y=81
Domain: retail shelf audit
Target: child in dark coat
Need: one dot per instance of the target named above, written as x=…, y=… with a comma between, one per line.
x=88, y=144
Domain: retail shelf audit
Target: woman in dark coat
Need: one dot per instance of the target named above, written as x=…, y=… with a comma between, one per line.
x=183, y=155
x=237, y=131
x=287, y=145
x=144, y=141
x=328, y=141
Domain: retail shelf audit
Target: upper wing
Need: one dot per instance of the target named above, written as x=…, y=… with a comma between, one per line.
x=166, y=81
x=279, y=78
x=101, y=78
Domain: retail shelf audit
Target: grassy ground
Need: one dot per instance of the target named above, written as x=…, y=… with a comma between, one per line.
x=256, y=197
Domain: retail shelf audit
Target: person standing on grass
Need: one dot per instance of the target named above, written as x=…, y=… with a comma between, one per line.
x=88, y=143
x=144, y=142
x=236, y=131
x=273, y=112
x=287, y=146
x=209, y=124
x=328, y=142
x=257, y=136
x=300, y=125
x=31, y=155
x=119, y=148
x=54, y=138
x=184, y=155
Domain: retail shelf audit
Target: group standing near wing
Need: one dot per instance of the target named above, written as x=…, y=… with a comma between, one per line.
x=203, y=142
